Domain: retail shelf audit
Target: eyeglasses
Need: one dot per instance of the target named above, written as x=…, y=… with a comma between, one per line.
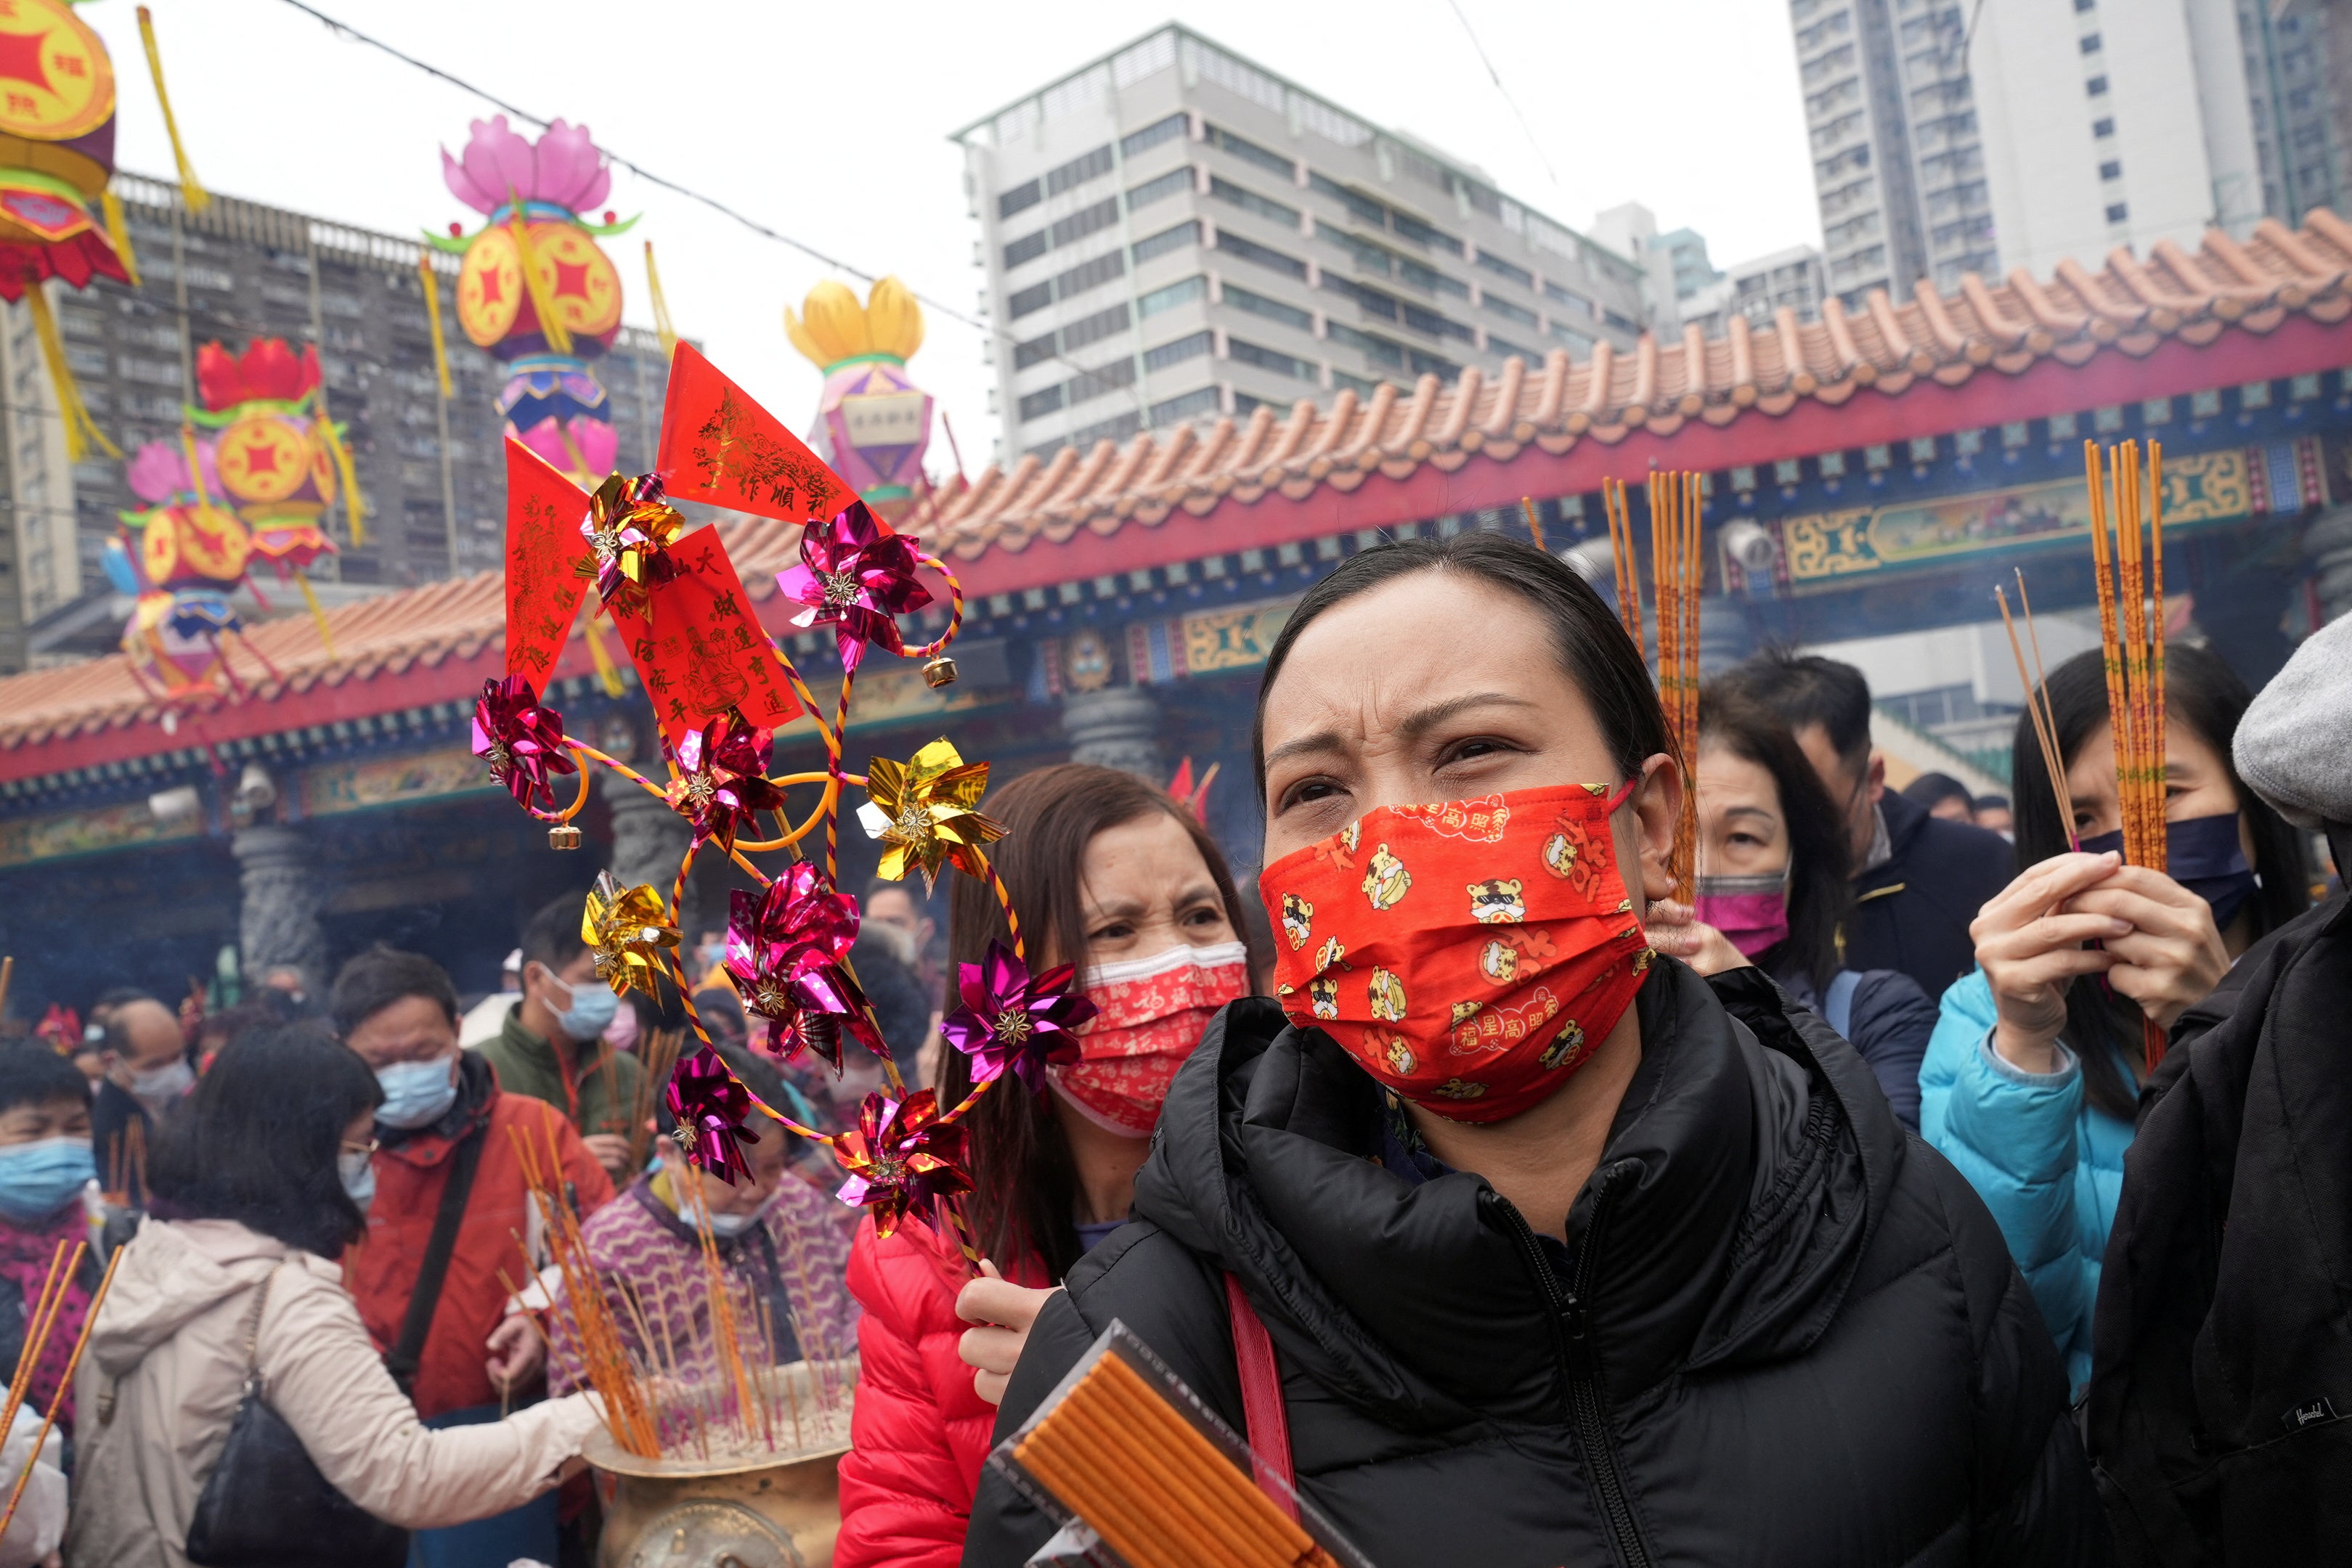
x=367, y=1148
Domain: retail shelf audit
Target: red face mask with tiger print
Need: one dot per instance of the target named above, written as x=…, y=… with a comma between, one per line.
x=1469, y=955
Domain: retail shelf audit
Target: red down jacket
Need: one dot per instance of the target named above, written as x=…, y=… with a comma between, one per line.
x=920, y=1434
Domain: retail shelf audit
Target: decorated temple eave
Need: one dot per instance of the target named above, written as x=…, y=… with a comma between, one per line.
x=2275, y=304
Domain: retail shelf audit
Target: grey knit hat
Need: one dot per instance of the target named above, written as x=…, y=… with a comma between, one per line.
x=2293, y=748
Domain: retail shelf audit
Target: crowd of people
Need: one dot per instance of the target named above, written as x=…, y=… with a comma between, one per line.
x=1838, y=1213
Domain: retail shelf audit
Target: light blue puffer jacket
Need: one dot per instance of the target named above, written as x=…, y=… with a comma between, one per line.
x=2047, y=1163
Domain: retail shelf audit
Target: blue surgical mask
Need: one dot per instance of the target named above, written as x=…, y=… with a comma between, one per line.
x=416, y=1093
x=357, y=1168
x=593, y=1006
x=2204, y=856
x=38, y=1178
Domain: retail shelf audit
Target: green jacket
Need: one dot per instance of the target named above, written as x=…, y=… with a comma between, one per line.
x=599, y=1093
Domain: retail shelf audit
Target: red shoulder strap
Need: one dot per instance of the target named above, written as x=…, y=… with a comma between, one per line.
x=1263, y=1411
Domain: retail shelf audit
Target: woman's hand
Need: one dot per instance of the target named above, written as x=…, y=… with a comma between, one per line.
x=2030, y=944
x=2174, y=956
x=1678, y=933
x=1004, y=1311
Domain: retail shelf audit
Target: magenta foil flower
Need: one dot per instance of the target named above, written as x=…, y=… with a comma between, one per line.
x=721, y=784
x=1011, y=1021
x=900, y=1155
x=786, y=951
x=521, y=741
x=710, y=1108
x=855, y=578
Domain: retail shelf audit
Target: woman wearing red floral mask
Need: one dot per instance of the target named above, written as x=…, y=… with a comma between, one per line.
x=1564, y=1252
x=1111, y=875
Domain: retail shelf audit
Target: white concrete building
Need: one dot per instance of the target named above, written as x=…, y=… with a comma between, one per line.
x=1172, y=233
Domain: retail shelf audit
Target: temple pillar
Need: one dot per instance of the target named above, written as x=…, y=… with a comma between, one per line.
x=648, y=840
x=1115, y=727
x=284, y=894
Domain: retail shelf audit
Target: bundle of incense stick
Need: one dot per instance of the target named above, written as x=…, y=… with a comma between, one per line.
x=1148, y=1481
x=39, y=1326
x=31, y=1353
x=2036, y=682
x=126, y=1160
x=1676, y=499
x=727, y=1394
x=1620, y=555
x=659, y=1056
x=2127, y=556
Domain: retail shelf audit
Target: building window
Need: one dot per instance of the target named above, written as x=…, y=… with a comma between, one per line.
x=1576, y=304
x=1250, y=201
x=1078, y=171
x=1188, y=405
x=2112, y=169
x=1019, y=198
x=1438, y=326
x=1028, y=301
x=1272, y=310
x=1506, y=347
x=1264, y=256
x=1152, y=135
x=1359, y=206
x=1578, y=343
x=2118, y=212
x=1094, y=328
x=2091, y=42
x=2097, y=87
x=1173, y=183
x=1509, y=312
x=1379, y=350
x=1190, y=346
x=1501, y=268
x=1086, y=221
x=1251, y=152
x=1028, y=247
x=1421, y=233
x=1166, y=240
x=1039, y=403
x=2103, y=128
x=1267, y=359
x=1035, y=352
x=1175, y=294
x=2086, y=5
x=1342, y=381
x=1107, y=378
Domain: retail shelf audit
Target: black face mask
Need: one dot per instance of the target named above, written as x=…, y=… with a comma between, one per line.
x=2203, y=855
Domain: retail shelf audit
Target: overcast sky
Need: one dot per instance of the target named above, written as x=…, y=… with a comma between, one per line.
x=830, y=123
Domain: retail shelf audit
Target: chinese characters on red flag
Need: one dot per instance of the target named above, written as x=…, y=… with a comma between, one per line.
x=718, y=445
x=698, y=649
x=546, y=562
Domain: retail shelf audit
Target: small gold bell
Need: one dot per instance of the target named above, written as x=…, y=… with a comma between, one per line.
x=939, y=671
x=564, y=836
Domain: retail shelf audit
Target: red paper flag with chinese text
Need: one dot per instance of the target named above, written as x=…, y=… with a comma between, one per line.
x=546, y=561
x=698, y=649
x=719, y=447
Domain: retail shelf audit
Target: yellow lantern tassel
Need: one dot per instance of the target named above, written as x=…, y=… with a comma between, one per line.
x=81, y=431
x=354, y=503
x=118, y=233
x=661, y=306
x=432, y=281
x=195, y=469
x=607, y=674
x=551, y=327
x=318, y=615
x=192, y=190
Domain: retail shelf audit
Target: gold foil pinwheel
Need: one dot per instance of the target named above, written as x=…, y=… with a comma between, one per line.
x=924, y=812
x=629, y=530
x=627, y=931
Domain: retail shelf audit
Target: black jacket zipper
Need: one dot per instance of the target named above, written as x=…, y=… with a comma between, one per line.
x=1588, y=1401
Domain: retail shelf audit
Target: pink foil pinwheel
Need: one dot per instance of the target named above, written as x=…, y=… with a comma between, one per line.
x=854, y=577
x=521, y=741
x=710, y=1108
x=1011, y=1022
x=565, y=168
x=786, y=952
x=721, y=785
x=900, y=1155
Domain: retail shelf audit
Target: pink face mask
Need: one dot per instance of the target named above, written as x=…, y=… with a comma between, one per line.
x=1752, y=911
x=1149, y=1013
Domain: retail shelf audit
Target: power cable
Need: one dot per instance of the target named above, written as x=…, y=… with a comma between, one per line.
x=1497, y=77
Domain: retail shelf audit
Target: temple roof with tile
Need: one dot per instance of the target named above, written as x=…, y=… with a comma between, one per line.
x=1988, y=353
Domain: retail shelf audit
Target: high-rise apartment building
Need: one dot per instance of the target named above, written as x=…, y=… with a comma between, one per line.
x=1760, y=289
x=433, y=474
x=1950, y=138
x=1172, y=233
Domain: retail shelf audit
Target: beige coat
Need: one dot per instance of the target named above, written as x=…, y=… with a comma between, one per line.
x=166, y=1369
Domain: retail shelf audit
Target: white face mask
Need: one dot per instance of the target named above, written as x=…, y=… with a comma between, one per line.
x=159, y=1086
x=727, y=1227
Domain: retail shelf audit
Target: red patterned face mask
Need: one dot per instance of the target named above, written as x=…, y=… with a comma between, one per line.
x=1469, y=955
x=1148, y=1015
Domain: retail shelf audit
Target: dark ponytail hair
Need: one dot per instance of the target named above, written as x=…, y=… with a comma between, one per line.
x=1594, y=653
x=1024, y=1205
x=1819, y=894
x=2205, y=694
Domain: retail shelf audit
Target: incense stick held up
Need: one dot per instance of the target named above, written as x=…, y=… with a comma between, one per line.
x=2127, y=558
x=1676, y=499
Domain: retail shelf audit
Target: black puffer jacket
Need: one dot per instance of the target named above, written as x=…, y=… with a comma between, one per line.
x=1781, y=1331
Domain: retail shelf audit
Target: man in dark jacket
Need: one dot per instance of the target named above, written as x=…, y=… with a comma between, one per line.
x=1779, y=1330
x=1919, y=879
